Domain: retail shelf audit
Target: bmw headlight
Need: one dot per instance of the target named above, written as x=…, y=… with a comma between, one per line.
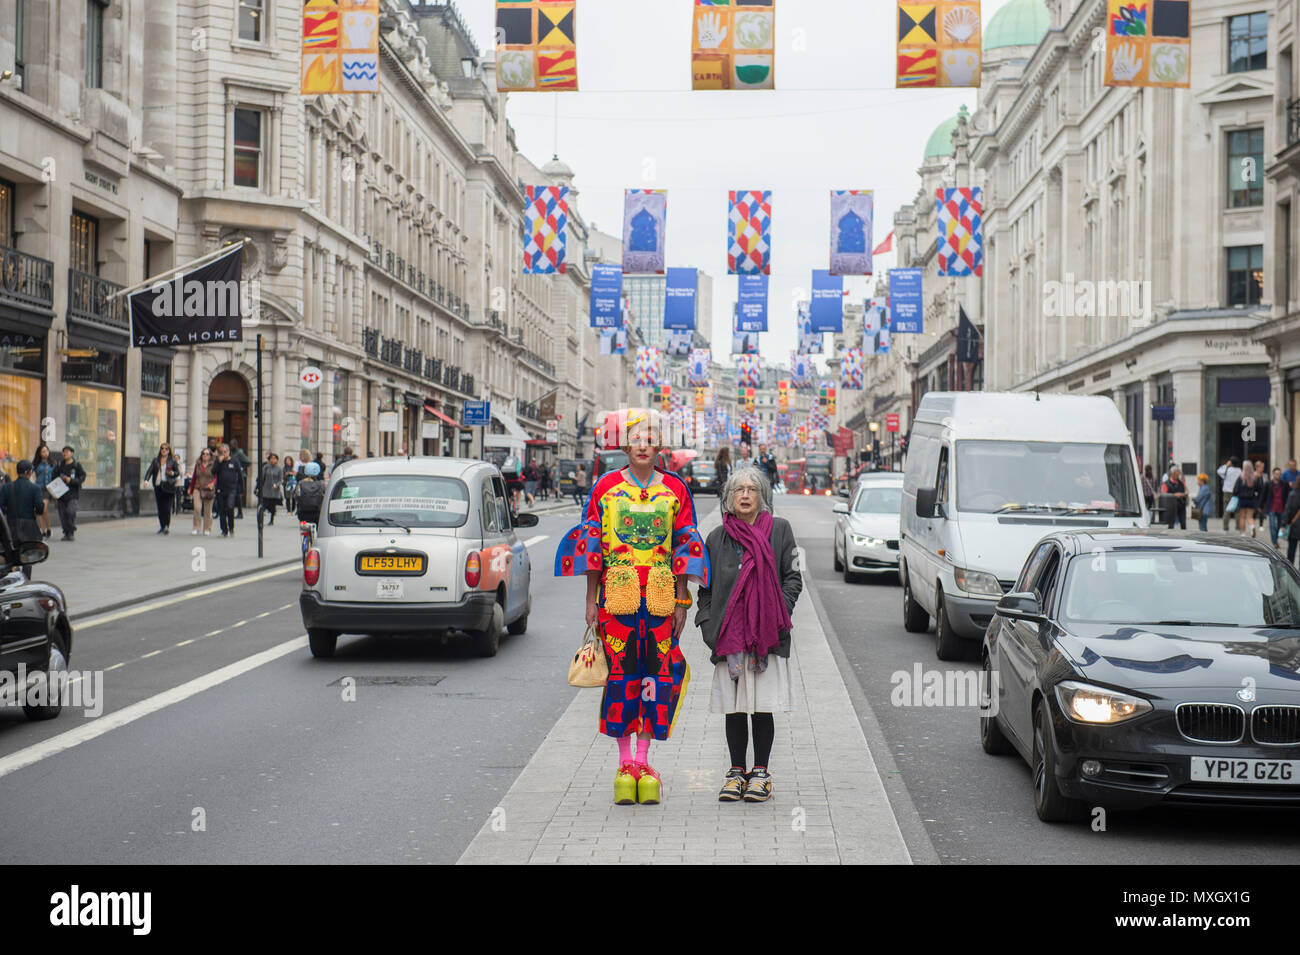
x=977, y=582
x=861, y=541
x=1093, y=704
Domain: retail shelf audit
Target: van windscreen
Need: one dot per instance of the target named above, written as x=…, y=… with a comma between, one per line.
x=1000, y=477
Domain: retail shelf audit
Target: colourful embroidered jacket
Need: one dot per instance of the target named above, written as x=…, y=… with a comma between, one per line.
x=639, y=539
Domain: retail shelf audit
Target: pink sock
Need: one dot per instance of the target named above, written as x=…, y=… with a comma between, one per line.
x=624, y=750
x=642, y=752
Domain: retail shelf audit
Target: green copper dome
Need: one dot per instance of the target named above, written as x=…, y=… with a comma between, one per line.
x=1019, y=23
x=940, y=144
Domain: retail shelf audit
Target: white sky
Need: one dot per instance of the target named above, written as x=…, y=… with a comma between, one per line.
x=835, y=121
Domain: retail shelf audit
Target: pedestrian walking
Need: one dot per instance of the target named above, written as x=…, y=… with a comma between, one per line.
x=580, y=485
x=1149, y=488
x=1273, y=503
x=42, y=471
x=1290, y=474
x=73, y=475
x=243, y=463
x=767, y=461
x=1261, y=492
x=744, y=615
x=1229, y=472
x=1203, y=505
x=311, y=494
x=227, y=475
x=270, y=487
x=1177, y=489
x=512, y=471
x=530, y=482
x=1290, y=516
x=348, y=455
x=21, y=501
x=638, y=545
x=163, y=472
x=1246, y=491
x=544, y=481
x=203, y=489
x=722, y=468
x=290, y=484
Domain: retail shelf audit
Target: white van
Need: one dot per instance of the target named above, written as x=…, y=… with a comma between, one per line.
x=987, y=476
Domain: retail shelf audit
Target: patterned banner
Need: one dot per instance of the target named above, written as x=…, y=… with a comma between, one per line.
x=961, y=231
x=827, y=312
x=1148, y=43
x=647, y=367
x=340, y=47
x=826, y=398
x=851, y=222
x=701, y=401
x=613, y=341
x=851, y=370
x=747, y=398
x=875, y=326
x=749, y=371
x=801, y=370
x=678, y=344
x=938, y=43
x=810, y=342
x=700, y=367
x=546, y=229
x=749, y=238
x=537, y=46
x=742, y=343
x=782, y=397
x=663, y=396
x=645, y=219
x=733, y=46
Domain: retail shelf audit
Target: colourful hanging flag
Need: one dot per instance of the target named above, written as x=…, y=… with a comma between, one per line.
x=783, y=397
x=851, y=370
x=536, y=45
x=749, y=238
x=663, y=393
x=700, y=367
x=678, y=344
x=886, y=246
x=749, y=370
x=1148, y=43
x=613, y=341
x=938, y=43
x=700, y=402
x=961, y=231
x=733, y=47
x=546, y=229
x=800, y=370
x=647, y=367
x=875, y=326
x=810, y=342
x=742, y=343
x=851, y=221
x=645, y=218
x=340, y=47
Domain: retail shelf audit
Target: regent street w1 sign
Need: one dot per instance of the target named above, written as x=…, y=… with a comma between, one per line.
x=199, y=306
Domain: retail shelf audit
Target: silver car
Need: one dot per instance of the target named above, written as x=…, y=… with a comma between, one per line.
x=867, y=527
x=416, y=545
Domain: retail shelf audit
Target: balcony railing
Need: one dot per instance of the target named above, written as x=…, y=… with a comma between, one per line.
x=1293, y=122
x=88, y=300
x=527, y=410
x=433, y=369
x=537, y=361
x=25, y=279
x=451, y=376
x=413, y=361
x=390, y=350
x=370, y=341
x=467, y=384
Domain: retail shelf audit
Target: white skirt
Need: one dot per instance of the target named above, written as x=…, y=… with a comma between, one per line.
x=771, y=691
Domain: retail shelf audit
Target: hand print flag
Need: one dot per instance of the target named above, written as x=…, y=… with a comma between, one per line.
x=340, y=47
x=733, y=45
x=647, y=367
x=1148, y=43
x=961, y=231
x=645, y=219
x=851, y=215
x=749, y=232
x=939, y=43
x=546, y=229
x=851, y=370
x=537, y=46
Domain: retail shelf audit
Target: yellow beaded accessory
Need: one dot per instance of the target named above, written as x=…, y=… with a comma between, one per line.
x=660, y=592
x=622, y=590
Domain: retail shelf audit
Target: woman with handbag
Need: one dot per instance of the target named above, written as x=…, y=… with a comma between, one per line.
x=744, y=615
x=1246, y=492
x=42, y=473
x=638, y=545
x=204, y=488
x=163, y=472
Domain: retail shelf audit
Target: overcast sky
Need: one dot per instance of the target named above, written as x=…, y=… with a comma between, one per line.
x=835, y=121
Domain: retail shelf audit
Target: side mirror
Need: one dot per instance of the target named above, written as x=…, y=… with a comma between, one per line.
x=844, y=492
x=925, y=498
x=840, y=508
x=1021, y=606
x=32, y=552
x=525, y=520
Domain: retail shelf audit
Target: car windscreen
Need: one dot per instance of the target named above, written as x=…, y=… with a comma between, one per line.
x=819, y=465
x=998, y=477
x=1147, y=588
x=407, y=500
x=701, y=468
x=612, y=461
x=879, y=500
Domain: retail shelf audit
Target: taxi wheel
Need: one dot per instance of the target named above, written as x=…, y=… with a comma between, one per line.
x=322, y=642
x=488, y=642
x=53, y=681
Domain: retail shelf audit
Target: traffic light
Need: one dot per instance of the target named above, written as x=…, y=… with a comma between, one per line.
x=747, y=434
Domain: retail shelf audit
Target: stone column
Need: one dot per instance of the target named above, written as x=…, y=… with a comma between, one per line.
x=197, y=398
x=278, y=434
x=1280, y=432
x=1189, y=432
x=159, y=132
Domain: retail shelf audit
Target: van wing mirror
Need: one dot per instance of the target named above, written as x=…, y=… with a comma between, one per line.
x=925, y=498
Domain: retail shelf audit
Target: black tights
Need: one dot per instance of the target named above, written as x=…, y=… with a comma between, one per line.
x=738, y=737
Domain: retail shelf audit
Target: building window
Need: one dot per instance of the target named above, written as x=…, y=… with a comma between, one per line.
x=1245, y=168
x=94, y=43
x=1247, y=42
x=250, y=20
x=248, y=148
x=6, y=213
x=1245, y=275
x=85, y=244
x=19, y=40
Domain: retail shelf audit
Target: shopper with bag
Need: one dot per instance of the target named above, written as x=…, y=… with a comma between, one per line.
x=203, y=487
x=163, y=471
x=42, y=472
x=638, y=545
x=69, y=475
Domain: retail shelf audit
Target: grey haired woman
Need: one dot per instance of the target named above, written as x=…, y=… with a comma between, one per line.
x=744, y=615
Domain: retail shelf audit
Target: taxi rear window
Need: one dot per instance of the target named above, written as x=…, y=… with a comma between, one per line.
x=409, y=500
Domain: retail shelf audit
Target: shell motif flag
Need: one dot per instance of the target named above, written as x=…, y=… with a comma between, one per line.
x=1148, y=43
x=851, y=370
x=749, y=235
x=645, y=220
x=749, y=370
x=961, y=232
x=701, y=360
x=851, y=221
x=939, y=43
x=647, y=367
x=733, y=45
x=546, y=229
x=537, y=48
x=340, y=47
x=800, y=369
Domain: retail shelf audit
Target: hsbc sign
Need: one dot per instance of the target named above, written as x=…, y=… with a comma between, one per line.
x=311, y=377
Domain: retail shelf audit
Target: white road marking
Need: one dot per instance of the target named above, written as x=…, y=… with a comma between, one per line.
x=535, y=540
x=185, y=642
x=180, y=598
x=129, y=714
x=153, y=654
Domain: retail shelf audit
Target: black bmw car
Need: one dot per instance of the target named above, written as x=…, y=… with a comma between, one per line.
x=1134, y=668
x=35, y=635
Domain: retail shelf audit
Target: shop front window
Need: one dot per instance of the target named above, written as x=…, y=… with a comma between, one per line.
x=153, y=425
x=95, y=432
x=340, y=430
x=20, y=419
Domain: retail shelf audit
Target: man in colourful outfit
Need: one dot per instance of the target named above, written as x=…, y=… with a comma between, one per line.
x=638, y=545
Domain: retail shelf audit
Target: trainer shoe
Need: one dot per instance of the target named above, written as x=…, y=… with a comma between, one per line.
x=625, y=784
x=649, y=787
x=733, y=788
x=759, y=787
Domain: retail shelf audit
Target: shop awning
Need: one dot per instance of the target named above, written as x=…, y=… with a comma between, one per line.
x=439, y=415
x=511, y=425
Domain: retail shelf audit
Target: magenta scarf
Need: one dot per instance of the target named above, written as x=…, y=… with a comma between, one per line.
x=756, y=612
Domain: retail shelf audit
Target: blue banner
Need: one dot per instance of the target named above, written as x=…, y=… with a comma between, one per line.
x=905, y=307
x=751, y=310
x=827, y=312
x=679, y=299
x=606, y=296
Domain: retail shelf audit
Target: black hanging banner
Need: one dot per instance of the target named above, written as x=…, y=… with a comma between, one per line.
x=968, y=338
x=198, y=307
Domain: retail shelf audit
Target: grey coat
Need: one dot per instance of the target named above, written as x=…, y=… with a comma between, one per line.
x=724, y=567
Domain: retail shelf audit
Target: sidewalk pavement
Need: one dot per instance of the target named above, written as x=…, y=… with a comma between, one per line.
x=829, y=804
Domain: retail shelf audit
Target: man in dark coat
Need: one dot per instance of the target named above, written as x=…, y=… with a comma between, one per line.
x=228, y=477
x=22, y=501
x=73, y=475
